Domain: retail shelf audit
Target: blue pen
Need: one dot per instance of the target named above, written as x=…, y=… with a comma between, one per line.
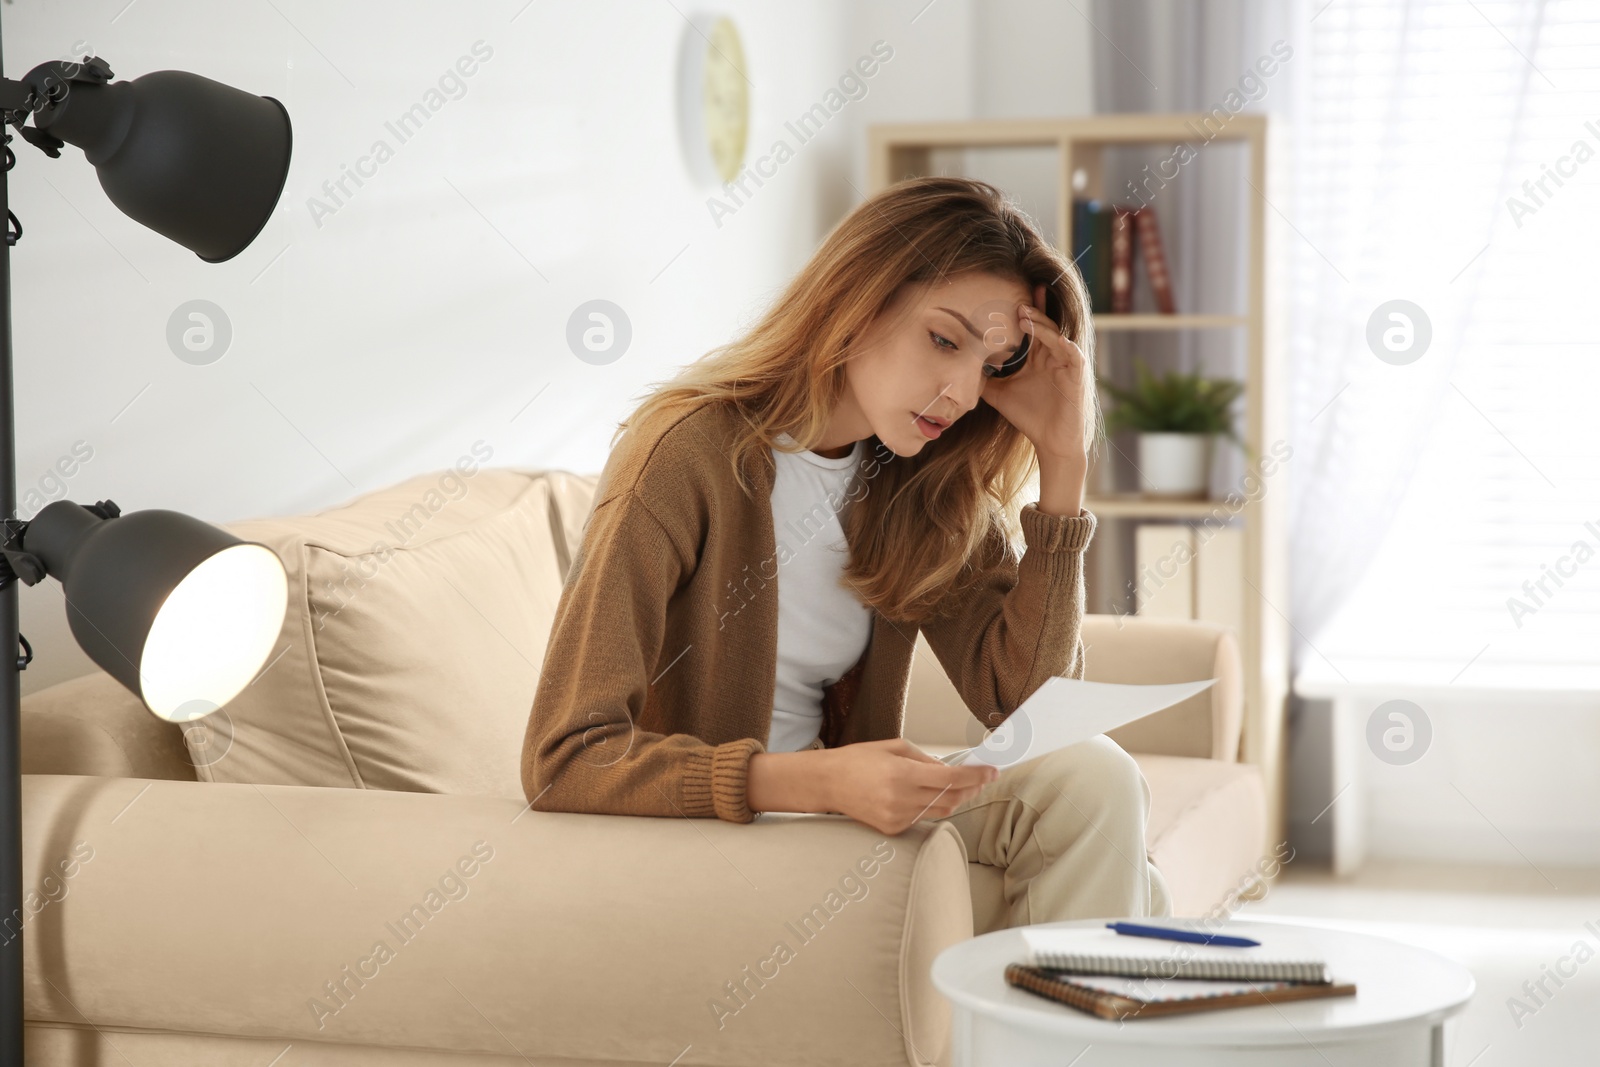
x=1135, y=930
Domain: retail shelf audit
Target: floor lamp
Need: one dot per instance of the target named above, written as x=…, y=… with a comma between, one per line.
x=179, y=611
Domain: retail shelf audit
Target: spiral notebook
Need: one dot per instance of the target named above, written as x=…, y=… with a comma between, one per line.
x=1281, y=957
x=1118, y=998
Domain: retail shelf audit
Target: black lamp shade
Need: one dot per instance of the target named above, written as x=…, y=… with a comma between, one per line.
x=181, y=612
x=195, y=160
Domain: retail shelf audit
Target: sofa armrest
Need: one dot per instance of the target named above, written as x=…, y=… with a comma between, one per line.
x=93, y=725
x=1125, y=648
x=1147, y=651
x=434, y=921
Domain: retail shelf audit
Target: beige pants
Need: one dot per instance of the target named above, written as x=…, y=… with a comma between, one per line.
x=1068, y=828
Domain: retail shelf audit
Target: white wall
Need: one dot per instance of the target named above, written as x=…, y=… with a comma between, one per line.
x=429, y=310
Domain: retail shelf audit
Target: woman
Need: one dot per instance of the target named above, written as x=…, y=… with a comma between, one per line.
x=782, y=518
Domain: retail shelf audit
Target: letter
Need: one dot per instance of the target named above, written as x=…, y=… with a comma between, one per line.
x=482, y=53
x=1551, y=176
x=1266, y=67
x=720, y=1012
x=786, y=952
x=880, y=855
x=1582, y=150
x=1540, y=183
x=1253, y=485
x=484, y=452
x=51, y=485
x=351, y=174
x=1254, y=88
x=430, y=95
x=467, y=66
x=762, y=970
x=866, y=66
x=1581, y=949
x=399, y=934
x=1161, y=169
x=432, y=501
x=1542, y=579
x=853, y=887
x=1565, y=959
x=852, y=86
x=1564, y=171
x=485, y=853
x=1564, y=559
x=867, y=866
x=361, y=166
x=885, y=54
x=318, y=209
x=1233, y=102
x=467, y=867
x=382, y=151
x=320, y=1011
x=1282, y=50
x=383, y=951
x=361, y=968
x=33, y=902
x=712, y=205
x=51, y=884
x=433, y=901
x=340, y=183
x=1528, y=190
x=760, y=168
x=453, y=887
x=816, y=910
x=1543, y=978
x=362, y=563
x=833, y=902
x=452, y=85
x=86, y=453
x=65, y=467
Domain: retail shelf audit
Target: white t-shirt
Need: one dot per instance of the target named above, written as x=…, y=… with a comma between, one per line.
x=822, y=628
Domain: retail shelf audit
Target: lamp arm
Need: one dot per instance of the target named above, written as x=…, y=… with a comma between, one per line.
x=46, y=84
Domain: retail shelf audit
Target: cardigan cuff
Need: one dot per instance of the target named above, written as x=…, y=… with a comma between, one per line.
x=1044, y=532
x=714, y=783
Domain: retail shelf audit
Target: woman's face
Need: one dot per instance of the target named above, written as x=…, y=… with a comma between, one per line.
x=921, y=361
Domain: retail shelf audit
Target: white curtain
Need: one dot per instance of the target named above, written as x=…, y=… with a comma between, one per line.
x=1402, y=115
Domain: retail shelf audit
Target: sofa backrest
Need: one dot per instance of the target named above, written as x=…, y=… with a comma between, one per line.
x=418, y=619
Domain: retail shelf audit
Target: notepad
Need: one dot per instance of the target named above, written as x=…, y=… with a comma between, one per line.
x=1281, y=957
x=1131, y=998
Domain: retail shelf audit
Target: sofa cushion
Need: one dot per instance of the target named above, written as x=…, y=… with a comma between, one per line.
x=410, y=652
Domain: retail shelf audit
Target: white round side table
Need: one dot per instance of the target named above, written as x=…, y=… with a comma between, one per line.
x=1403, y=997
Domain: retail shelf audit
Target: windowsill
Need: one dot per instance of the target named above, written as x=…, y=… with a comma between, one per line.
x=1318, y=679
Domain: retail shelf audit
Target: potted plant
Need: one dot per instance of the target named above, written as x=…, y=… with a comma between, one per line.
x=1176, y=416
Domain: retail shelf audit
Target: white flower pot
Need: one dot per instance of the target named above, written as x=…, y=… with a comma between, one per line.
x=1174, y=464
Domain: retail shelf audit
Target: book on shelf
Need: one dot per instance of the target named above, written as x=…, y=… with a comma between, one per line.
x=1107, y=238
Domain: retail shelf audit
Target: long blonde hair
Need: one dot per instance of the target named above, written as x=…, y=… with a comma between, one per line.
x=917, y=533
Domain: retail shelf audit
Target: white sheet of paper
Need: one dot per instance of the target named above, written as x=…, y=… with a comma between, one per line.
x=1064, y=711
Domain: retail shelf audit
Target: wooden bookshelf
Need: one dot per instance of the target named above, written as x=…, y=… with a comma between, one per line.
x=899, y=151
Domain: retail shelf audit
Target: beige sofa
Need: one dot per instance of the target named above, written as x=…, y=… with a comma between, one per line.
x=203, y=896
